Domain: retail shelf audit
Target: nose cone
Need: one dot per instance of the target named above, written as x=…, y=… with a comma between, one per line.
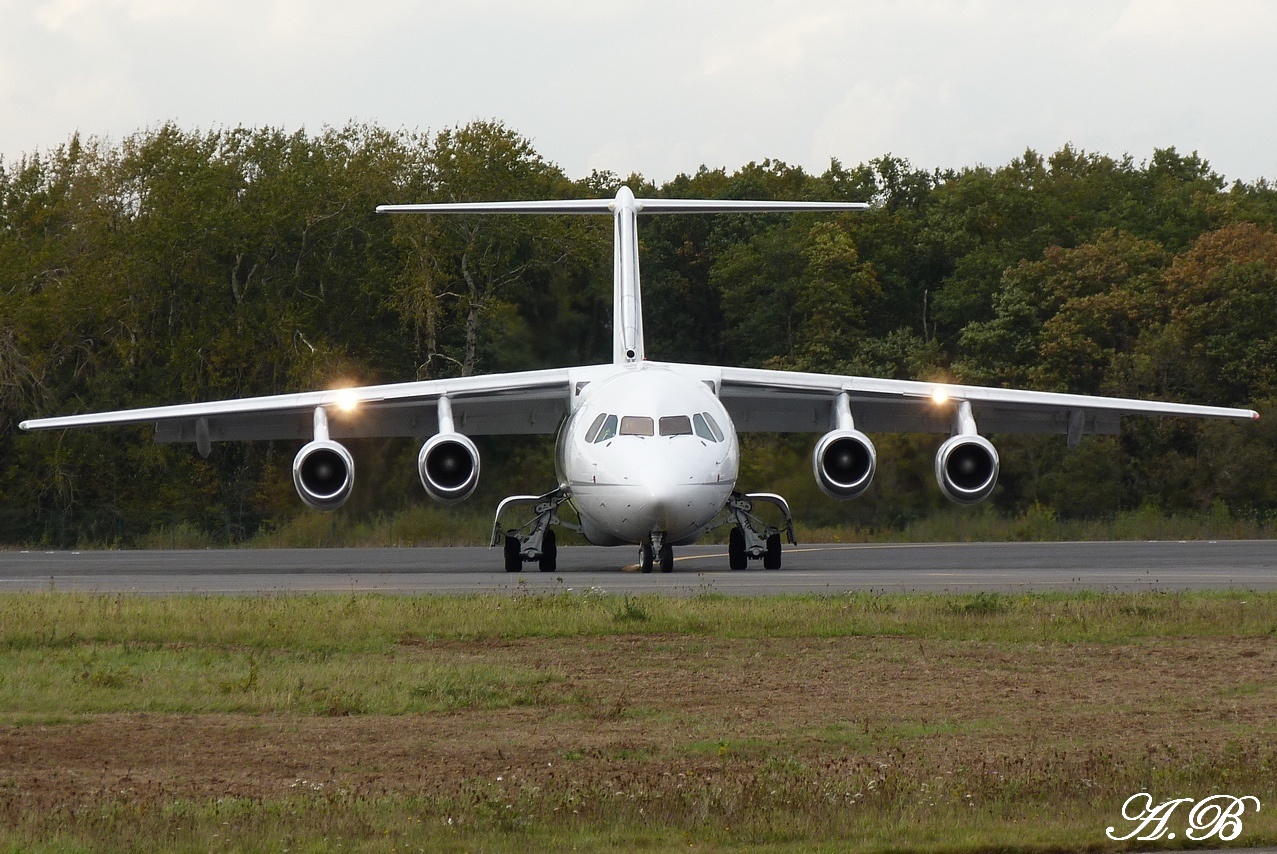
x=671, y=496
x=659, y=502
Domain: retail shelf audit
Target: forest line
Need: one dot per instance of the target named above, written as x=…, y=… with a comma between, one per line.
x=179, y=265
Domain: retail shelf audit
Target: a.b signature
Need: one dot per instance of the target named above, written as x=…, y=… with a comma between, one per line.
x=1216, y=815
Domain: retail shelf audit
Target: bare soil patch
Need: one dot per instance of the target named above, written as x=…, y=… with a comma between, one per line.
x=658, y=710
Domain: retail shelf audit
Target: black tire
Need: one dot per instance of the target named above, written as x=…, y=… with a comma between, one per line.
x=645, y=557
x=549, y=553
x=667, y=558
x=771, y=559
x=513, y=555
x=736, y=557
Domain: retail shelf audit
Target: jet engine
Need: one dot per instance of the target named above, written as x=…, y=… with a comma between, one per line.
x=967, y=468
x=449, y=467
x=324, y=473
x=844, y=462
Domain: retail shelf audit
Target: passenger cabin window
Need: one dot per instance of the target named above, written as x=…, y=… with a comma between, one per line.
x=607, y=431
x=676, y=425
x=636, y=425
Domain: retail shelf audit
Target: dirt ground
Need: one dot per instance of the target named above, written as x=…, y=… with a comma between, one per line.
x=651, y=708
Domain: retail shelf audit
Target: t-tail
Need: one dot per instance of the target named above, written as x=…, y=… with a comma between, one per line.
x=627, y=300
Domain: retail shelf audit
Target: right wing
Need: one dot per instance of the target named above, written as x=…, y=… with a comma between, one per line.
x=793, y=402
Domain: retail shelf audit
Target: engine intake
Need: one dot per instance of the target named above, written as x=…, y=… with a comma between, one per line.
x=967, y=469
x=449, y=467
x=844, y=463
x=324, y=474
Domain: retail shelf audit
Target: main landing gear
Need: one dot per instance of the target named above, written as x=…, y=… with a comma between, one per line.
x=533, y=542
x=751, y=538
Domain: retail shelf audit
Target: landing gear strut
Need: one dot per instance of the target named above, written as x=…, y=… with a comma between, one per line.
x=751, y=538
x=534, y=541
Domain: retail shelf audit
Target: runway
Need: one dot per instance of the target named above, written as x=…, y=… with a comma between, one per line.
x=826, y=569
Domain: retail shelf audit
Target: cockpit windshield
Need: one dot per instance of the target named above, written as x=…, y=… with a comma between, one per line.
x=676, y=425
x=606, y=426
x=603, y=428
x=636, y=425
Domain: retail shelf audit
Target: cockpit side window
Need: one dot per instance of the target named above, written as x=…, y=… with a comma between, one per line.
x=636, y=425
x=702, y=429
x=595, y=427
x=713, y=426
x=676, y=425
x=608, y=430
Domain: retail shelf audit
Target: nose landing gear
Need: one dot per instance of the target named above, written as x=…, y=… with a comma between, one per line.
x=654, y=551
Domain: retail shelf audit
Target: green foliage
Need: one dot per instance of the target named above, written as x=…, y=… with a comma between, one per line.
x=182, y=265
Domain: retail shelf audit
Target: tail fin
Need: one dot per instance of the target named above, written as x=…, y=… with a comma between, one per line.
x=627, y=301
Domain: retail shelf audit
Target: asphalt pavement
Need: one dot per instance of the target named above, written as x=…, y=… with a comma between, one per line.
x=830, y=568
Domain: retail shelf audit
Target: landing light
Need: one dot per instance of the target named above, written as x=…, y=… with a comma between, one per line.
x=940, y=395
x=347, y=399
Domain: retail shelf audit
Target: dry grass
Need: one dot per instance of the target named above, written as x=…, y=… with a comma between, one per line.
x=889, y=723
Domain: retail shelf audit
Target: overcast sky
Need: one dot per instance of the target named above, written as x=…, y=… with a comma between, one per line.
x=662, y=87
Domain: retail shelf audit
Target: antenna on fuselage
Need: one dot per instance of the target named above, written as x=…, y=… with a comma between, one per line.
x=627, y=301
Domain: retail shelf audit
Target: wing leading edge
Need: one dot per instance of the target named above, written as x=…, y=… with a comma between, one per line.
x=784, y=401
x=525, y=402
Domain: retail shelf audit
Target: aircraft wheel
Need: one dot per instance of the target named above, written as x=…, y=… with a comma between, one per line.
x=771, y=560
x=645, y=557
x=550, y=552
x=667, y=558
x=513, y=555
x=736, y=557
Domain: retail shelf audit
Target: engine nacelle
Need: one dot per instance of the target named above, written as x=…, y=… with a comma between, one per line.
x=449, y=467
x=967, y=469
x=844, y=462
x=324, y=474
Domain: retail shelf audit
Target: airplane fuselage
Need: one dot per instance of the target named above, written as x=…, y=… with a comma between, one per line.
x=647, y=450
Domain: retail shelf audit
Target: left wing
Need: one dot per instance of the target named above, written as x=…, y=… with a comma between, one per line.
x=786, y=401
x=514, y=403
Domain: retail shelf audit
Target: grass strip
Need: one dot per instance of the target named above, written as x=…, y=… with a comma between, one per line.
x=864, y=722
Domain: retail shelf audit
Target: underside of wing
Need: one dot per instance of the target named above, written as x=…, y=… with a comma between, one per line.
x=527, y=402
x=784, y=401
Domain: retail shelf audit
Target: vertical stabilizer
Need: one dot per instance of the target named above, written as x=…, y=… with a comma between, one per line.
x=627, y=301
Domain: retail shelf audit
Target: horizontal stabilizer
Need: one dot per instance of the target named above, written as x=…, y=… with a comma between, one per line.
x=560, y=206
x=742, y=206
x=609, y=206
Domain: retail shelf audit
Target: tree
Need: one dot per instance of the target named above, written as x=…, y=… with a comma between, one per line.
x=1060, y=322
x=797, y=295
x=473, y=268
x=1222, y=296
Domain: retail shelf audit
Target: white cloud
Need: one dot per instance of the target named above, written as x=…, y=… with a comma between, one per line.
x=663, y=86
x=1187, y=24
x=781, y=39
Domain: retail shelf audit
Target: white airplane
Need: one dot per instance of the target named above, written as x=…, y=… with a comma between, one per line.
x=646, y=452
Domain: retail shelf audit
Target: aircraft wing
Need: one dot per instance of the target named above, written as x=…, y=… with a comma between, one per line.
x=516, y=403
x=785, y=401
